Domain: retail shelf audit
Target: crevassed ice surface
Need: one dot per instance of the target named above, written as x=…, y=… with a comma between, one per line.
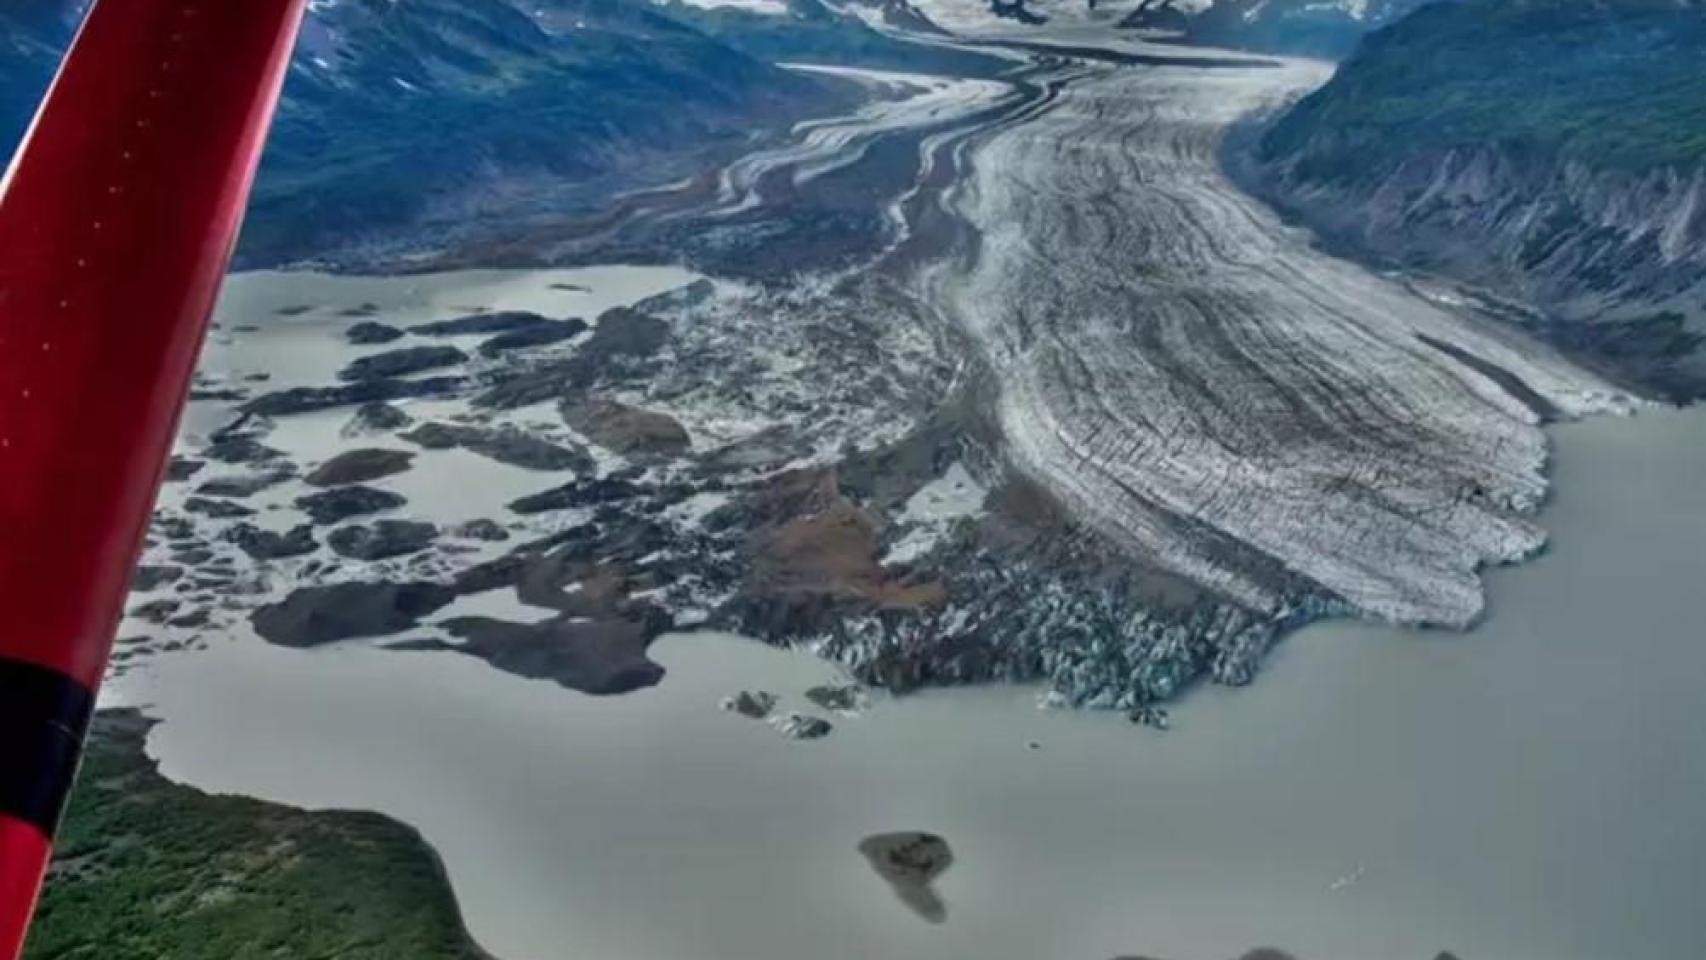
x=1190, y=376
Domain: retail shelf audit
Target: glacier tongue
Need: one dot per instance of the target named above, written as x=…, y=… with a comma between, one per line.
x=1188, y=375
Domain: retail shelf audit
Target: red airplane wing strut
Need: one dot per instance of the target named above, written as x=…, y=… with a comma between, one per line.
x=117, y=220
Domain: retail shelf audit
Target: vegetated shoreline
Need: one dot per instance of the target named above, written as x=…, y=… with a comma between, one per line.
x=147, y=867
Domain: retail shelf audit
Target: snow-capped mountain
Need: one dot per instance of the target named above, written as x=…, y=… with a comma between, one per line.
x=1328, y=27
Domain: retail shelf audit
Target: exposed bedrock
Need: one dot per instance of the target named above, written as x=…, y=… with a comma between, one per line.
x=341, y=503
x=626, y=430
x=911, y=862
x=216, y=508
x=549, y=332
x=308, y=399
x=1586, y=205
x=401, y=363
x=599, y=657
x=360, y=466
x=813, y=563
x=509, y=446
x=181, y=468
x=371, y=332
x=271, y=545
x=373, y=418
x=382, y=539
x=1612, y=263
x=496, y=321
x=621, y=343
x=1189, y=378
x=313, y=616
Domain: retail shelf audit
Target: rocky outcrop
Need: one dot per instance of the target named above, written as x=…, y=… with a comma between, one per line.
x=216, y=508
x=314, y=616
x=489, y=531
x=401, y=363
x=911, y=862
x=539, y=335
x=360, y=466
x=626, y=430
x=842, y=699
x=271, y=545
x=342, y=503
x=800, y=726
x=240, y=449
x=154, y=576
x=622, y=340
x=156, y=611
x=491, y=321
x=754, y=705
x=600, y=657
x=240, y=486
x=588, y=493
x=1613, y=266
x=382, y=539
x=181, y=468
x=370, y=332
x=813, y=559
x=376, y=417
x=309, y=399
x=514, y=447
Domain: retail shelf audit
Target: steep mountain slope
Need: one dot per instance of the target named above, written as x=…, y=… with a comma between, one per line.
x=1323, y=28
x=32, y=32
x=1320, y=27
x=432, y=114
x=1553, y=150
x=818, y=32
x=445, y=111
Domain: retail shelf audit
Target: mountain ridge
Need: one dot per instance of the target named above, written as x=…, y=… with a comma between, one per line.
x=1552, y=153
x=1322, y=28
x=437, y=114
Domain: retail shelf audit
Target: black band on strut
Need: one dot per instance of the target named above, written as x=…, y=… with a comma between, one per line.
x=43, y=717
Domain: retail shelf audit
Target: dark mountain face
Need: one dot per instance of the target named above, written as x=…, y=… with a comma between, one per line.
x=450, y=110
x=454, y=110
x=1608, y=84
x=32, y=32
x=1316, y=27
x=1554, y=150
x=812, y=31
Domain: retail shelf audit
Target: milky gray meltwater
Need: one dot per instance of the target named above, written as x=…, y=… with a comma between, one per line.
x=1528, y=790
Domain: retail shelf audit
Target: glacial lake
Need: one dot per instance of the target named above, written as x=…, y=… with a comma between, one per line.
x=1533, y=790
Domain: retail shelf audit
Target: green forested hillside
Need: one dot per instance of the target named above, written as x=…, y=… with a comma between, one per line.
x=1615, y=84
x=149, y=870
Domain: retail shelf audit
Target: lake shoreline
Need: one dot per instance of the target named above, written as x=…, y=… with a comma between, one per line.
x=1335, y=768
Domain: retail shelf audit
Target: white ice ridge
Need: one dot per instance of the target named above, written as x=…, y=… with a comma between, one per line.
x=1191, y=377
x=775, y=8
x=819, y=147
